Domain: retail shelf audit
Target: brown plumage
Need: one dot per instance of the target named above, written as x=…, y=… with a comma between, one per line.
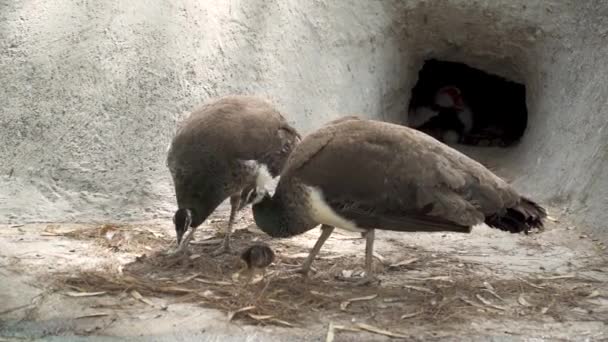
x=363, y=175
x=258, y=256
x=229, y=147
x=343, y=119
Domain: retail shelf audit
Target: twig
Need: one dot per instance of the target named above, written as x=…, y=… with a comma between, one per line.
x=93, y=315
x=419, y=288
x=187, y=279
x=330, y=333
x=410, y=315
x=347, y=302
x=15, y=309
x=488, y=303
x=231, y=314
x=530, y=284
x=85, y=294
x=373, y=329
x=207, y=242
x=263, y=290
x=565, y=276
x=403, y=262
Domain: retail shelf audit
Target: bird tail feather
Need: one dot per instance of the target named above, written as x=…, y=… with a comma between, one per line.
x=522, y=217
x=401, y=223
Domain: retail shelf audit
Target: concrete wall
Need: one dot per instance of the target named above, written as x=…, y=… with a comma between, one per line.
x=91, y=90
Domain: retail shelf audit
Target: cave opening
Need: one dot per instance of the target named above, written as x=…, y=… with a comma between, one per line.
x=459, y=104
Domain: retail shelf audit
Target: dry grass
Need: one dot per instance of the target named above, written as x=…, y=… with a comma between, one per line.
x=120, y=238
x=285, y=298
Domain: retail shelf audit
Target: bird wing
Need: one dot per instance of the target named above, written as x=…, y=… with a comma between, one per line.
x=304, y=153
x=217, y=137
x=372, y=171
x=285, y=139
x=235, y=128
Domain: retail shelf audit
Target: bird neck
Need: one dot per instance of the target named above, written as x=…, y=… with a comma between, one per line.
x=201, y=210
x=270, y=216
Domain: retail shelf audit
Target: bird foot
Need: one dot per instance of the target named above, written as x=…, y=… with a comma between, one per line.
x=176, y=248
x=177, y=251
x=300, y=270
x=303, y=272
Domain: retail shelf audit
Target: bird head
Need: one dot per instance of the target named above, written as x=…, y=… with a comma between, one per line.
x=252, y=195
x=449, y=97
x=182, y=220
x=258, y=256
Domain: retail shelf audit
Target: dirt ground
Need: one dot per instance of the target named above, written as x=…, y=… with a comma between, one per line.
x=114, y=281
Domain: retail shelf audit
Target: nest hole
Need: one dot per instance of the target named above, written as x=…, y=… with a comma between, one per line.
x=459, y=104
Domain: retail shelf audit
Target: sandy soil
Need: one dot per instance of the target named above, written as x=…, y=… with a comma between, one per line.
x=482, y=286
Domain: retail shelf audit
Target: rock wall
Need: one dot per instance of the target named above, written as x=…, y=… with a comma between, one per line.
x=92, y=90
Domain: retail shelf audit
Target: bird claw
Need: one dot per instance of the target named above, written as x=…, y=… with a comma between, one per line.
x=299, y=270
x=177, y=251
x=304, y=273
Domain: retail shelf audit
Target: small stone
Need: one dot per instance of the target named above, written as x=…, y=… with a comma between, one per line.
x=347, y=273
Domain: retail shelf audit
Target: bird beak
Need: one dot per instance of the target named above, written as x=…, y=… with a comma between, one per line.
x=179, y=237
x=180, y=234
x=247, y=199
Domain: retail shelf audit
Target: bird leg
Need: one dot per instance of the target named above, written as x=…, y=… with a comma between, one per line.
x=257, y=272
x=369, y=259
x=325, y=233
x=235, y=202
x=248, y=275
x=369, y=277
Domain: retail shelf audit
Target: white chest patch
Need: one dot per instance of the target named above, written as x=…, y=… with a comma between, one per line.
x=263, y=178
x=444, y=99
x=324, y=214
x=466, y=117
